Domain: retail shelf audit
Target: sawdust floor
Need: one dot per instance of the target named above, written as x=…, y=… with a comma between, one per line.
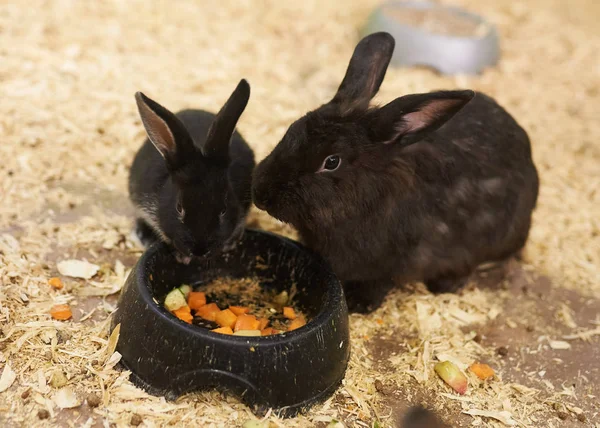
x=68, y=132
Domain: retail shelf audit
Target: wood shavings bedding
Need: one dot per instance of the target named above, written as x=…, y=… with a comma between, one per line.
x=69, y=130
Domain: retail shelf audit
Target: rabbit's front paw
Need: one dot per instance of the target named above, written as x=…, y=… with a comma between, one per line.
x=365, y=297
x=448, y=284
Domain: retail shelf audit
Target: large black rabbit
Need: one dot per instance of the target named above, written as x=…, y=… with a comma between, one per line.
x=424, y=188
x=190, y=181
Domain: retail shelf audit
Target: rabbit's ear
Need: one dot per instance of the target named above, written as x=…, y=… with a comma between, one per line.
x=164, y=130
x=223, y=126
x=365, y=72
x=416, y=115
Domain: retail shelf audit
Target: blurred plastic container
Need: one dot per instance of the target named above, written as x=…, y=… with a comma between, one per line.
x=448, y=39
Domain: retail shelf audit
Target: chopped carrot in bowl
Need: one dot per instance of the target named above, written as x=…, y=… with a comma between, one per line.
x=247, y=322
x=196, y=299
x=239, y=310
x=226, y=318
x=184, y=314
x=209, y=311
x=297, y=323
x=242, y=307
x=289, y=313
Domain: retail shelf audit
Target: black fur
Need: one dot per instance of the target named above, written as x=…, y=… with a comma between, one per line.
x=429, y=186
x=419, y=417
x=196, y=162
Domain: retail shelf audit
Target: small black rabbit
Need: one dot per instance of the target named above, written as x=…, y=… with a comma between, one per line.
x=425, y=188
x=190, y=181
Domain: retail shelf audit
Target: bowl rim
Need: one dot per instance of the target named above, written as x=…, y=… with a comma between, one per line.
x=422, y=5
x=332, y=292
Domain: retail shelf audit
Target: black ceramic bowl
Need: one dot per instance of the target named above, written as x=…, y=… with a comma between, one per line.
x=287, y=372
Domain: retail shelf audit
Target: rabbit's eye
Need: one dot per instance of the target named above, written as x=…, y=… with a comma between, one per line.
x=331, y=163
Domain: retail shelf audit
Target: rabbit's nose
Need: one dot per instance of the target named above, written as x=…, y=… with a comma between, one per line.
x=263, y=200
x=260, y=202
x=260, y=195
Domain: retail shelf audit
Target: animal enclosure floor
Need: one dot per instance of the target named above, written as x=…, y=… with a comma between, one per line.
x=69, y=130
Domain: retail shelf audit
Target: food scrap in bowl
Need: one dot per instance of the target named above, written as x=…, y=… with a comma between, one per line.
x=239, y=307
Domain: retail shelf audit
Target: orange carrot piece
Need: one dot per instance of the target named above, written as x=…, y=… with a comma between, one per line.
x=209, y=311
x=184, y=314
x=239, y=310
x=246, y=322
x=223, y=330
x=263, y=323
x=482, y=371
x=55, y=283
x=61, y=312
x=226, y=318
x=196, y=299
x=297, y=323
x=267, y=331
x=289, y=313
